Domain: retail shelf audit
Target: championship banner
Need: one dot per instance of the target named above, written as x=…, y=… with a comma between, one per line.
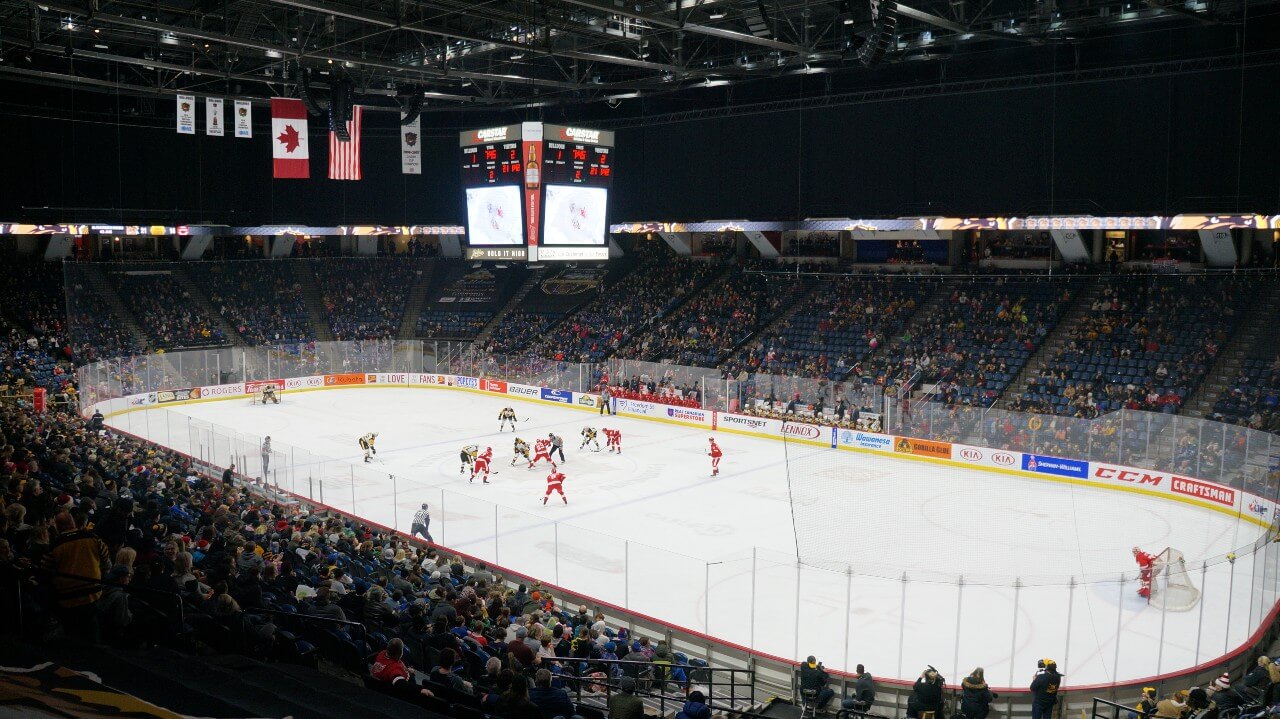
x=213, y=119
x=290, y=151
x=244, y=118
x=531, y=145
x=186, y=105
x=411, y=147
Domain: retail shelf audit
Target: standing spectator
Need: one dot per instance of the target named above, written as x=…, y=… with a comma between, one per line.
x=976, y=696
x=550, y=701
x=228, y=477
x=266, y=457
x=813, y=678
x=77, y=553
x=1044, y=689
x=421, y=523
x=926, y=695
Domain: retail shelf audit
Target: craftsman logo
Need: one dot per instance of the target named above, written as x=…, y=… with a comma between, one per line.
x=1204, y=490
x=581, y=134
x=492, y=133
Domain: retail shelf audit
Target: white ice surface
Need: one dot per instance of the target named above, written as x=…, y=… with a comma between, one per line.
x=650, y=530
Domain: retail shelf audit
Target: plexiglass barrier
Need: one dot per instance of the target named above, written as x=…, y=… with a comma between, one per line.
x=1097, y=627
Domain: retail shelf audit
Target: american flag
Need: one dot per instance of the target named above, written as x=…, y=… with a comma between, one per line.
x=344, y=157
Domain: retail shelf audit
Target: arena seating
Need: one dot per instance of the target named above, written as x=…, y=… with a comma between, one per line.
x=556, y=294
x=1146, y=344
x=464, y=299
x=166, y=311
x=978, y=340
x=1253, y=399
x=261, y=299
x=365, y=298
x=833, y=332
x=660, y=282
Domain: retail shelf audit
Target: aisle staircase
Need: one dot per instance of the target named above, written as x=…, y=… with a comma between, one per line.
x=413, y=305
x=1080, y=308
x=1255, y=335
x=305, y=274
x=517, y=299
x=98, y=282
x=198, y=296
x=923, y=314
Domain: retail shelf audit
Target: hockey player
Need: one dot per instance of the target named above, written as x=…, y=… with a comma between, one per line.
x=1146, y=566
x=521, y=449
x=555, y=483
x=269, y=394
x=613, y=439
x=589, y=437
x=505, y=417
x=468, y=457
x=715, y=454
x=481, y=465
x=366, y=444
x=541, y=450
x=557, y=445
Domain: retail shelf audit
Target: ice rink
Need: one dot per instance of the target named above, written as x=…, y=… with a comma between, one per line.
x=952, y=567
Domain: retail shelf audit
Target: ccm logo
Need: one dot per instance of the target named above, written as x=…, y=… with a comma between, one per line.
x=1003, y=458
x=1125, y=475
x=972, y=455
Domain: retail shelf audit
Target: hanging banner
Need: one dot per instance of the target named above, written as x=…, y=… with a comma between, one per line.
x=244, y=118
x=213, y=119
x=531, y=136
x=186, y=114
x=411, y=146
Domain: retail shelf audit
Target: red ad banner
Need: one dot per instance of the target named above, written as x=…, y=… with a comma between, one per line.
x=334, y=380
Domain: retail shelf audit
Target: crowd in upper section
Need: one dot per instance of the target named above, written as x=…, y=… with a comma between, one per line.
x=1076, y=344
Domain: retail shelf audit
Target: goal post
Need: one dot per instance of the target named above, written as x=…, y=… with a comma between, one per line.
x=1171, y=586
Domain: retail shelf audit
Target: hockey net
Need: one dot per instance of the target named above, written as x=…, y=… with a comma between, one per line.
x=259, y=396
x=1171, y=587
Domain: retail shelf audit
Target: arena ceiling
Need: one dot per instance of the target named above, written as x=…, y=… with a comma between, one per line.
x=506, y=55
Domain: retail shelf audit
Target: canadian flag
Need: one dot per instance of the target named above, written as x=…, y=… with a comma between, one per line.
x=290, y=152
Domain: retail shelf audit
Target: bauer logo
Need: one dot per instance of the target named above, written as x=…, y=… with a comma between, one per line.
x=523, y=390
x=468, y=382
x=557, y=395
x=687, y=415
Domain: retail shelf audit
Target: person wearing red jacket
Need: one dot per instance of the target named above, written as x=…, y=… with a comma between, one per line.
x=555, y=483
x=1146, y=565
x=715, y=455
x=389, y=669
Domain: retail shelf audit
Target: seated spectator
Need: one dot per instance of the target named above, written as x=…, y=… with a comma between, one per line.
x=625, y=704
x=814, y=678
x=551, y=702
x=515, y=704
x=389, y=669
x=695, y=707
x=443, y=673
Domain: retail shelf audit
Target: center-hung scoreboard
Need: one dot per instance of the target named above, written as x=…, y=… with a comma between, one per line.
x=536, y=191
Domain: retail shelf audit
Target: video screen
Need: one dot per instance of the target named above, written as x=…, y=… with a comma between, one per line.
x=493, y=216
x=574, y=215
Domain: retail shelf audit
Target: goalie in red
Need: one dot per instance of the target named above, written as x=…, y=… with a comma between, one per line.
x=481, y=465
x=541, y=450
x=555, y=483
x=715, y=454
x=1146, y=564
x=612, y=440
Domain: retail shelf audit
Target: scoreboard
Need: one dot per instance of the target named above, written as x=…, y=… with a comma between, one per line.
x=537, y=192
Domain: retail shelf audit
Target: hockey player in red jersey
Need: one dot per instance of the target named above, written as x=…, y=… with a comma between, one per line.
x=715, y=455
x=541, y=450
x=1146, y=565
x=555, y=483
x=613, y=440
x=481, y=465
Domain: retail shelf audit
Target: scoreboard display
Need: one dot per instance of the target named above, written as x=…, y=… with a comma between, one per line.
x=537, y=192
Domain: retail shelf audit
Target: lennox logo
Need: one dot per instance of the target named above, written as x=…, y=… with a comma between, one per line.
x=492, y=133
x=582, y=134
x=1004, y=459
x=971, y=454
x=803, y=431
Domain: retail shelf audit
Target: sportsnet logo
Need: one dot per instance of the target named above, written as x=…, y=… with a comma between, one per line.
x=688, y=415
x=733, y=420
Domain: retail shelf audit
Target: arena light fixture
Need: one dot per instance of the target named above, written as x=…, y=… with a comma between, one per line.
x=718, y=14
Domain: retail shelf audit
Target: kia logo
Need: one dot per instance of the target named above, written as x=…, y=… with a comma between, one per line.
x=972, y=455
x=1003, y=458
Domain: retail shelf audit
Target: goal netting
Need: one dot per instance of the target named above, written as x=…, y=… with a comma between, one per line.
x=260, y=396
x=1171, y=587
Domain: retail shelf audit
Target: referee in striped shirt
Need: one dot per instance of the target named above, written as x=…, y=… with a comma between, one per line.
x=421, y=521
